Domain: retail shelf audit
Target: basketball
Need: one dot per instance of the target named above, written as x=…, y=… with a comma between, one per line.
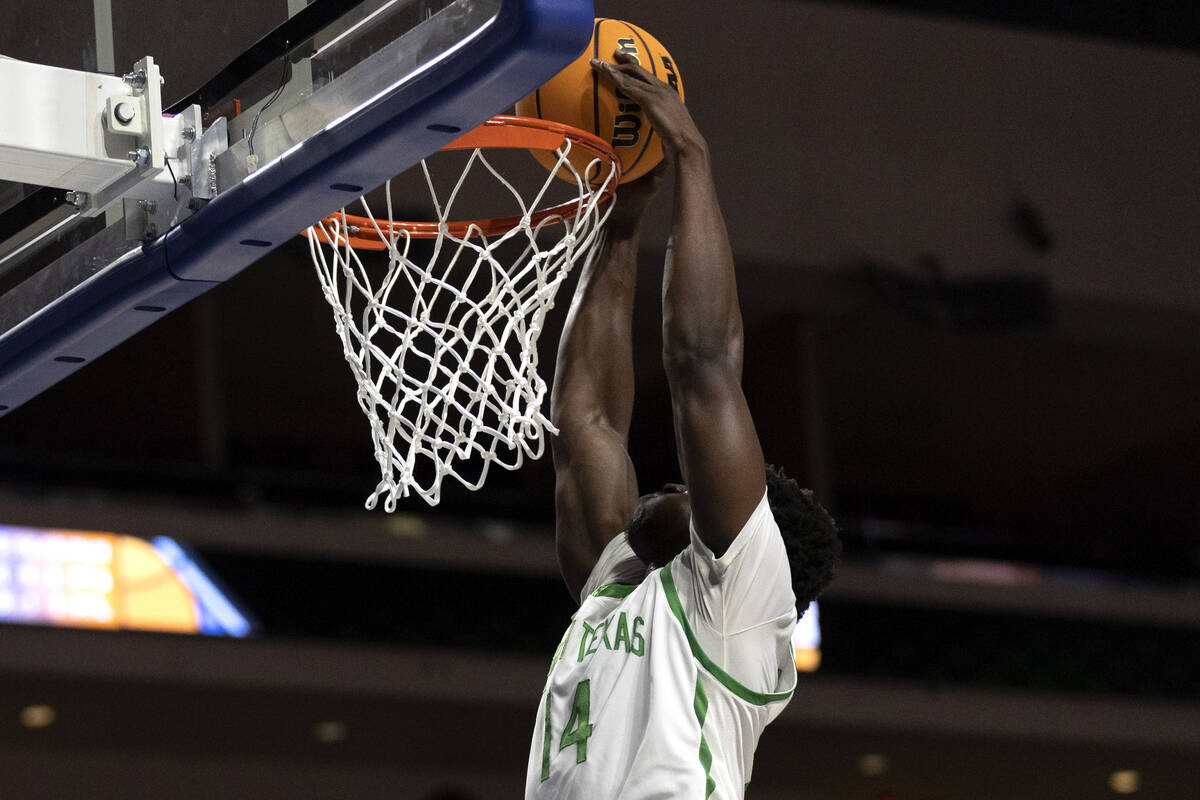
x=577, y=97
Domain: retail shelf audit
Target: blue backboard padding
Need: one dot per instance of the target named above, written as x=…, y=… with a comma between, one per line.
x=526, y=45
x=84, y=325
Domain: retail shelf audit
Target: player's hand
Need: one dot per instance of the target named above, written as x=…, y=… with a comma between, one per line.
x=662, y=104
x=632, y=199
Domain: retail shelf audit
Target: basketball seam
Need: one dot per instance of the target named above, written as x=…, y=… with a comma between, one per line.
x=596, y=77
x=654, y=72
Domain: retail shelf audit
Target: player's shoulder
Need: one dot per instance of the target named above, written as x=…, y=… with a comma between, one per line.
x=617, y=566
x=607, y=596
x=759, y=534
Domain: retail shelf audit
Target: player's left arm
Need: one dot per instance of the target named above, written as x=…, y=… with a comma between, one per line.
x=719, y=450
x=592, y=397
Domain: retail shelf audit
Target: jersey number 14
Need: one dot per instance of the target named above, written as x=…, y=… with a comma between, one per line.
x=577, y=731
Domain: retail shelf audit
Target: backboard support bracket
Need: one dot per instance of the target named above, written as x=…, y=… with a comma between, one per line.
x=396, y=120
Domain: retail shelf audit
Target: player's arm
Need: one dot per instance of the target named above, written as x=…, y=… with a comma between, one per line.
x=719, y=451
x=592, y=398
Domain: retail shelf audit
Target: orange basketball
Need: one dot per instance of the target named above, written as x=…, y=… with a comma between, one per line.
x=577, y=97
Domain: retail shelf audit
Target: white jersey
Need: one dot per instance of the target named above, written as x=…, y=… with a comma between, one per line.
x=661, y=688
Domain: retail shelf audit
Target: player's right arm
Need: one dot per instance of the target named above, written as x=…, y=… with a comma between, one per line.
x=719, y=450
x=592, y=398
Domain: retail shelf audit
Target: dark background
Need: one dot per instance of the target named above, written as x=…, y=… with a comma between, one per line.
x=966, y=238
x=968, y=279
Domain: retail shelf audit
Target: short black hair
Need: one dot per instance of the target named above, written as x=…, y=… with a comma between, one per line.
x=809, y=534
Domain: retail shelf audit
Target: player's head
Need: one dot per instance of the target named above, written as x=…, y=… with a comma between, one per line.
x=659, y=531
x=809, y=534
x=659, y=528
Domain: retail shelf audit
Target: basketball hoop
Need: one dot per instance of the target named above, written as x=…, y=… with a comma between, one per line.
x=443, y=344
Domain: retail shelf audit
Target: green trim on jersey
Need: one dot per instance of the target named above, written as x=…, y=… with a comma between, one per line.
x=725, y=679
x=700, y=705
x=546, y=739
x=615, y=590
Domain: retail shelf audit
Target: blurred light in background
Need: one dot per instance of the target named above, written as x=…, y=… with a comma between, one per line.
x=330, y=731
x=38, y=716
x=1126, y=781
x=806, y=640
x=873, y=764
x=109, y=581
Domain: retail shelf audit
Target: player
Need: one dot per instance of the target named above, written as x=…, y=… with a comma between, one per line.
x=680, y=652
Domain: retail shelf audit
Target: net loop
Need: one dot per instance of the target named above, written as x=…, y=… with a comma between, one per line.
x=442, y=341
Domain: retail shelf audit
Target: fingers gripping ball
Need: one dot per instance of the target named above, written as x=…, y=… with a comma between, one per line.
x=579, y=98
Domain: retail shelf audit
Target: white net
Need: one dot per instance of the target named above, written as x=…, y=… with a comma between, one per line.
x=442, y=339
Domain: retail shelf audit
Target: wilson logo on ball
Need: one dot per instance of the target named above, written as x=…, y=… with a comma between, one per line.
x=627, y=125
x=578, y=97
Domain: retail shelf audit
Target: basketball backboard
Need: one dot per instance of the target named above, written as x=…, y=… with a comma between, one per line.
x=272, y=115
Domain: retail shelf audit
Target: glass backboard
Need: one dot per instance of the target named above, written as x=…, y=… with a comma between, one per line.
x=272, y=115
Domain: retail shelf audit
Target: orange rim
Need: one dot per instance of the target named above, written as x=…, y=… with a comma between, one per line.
x=501, y=132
